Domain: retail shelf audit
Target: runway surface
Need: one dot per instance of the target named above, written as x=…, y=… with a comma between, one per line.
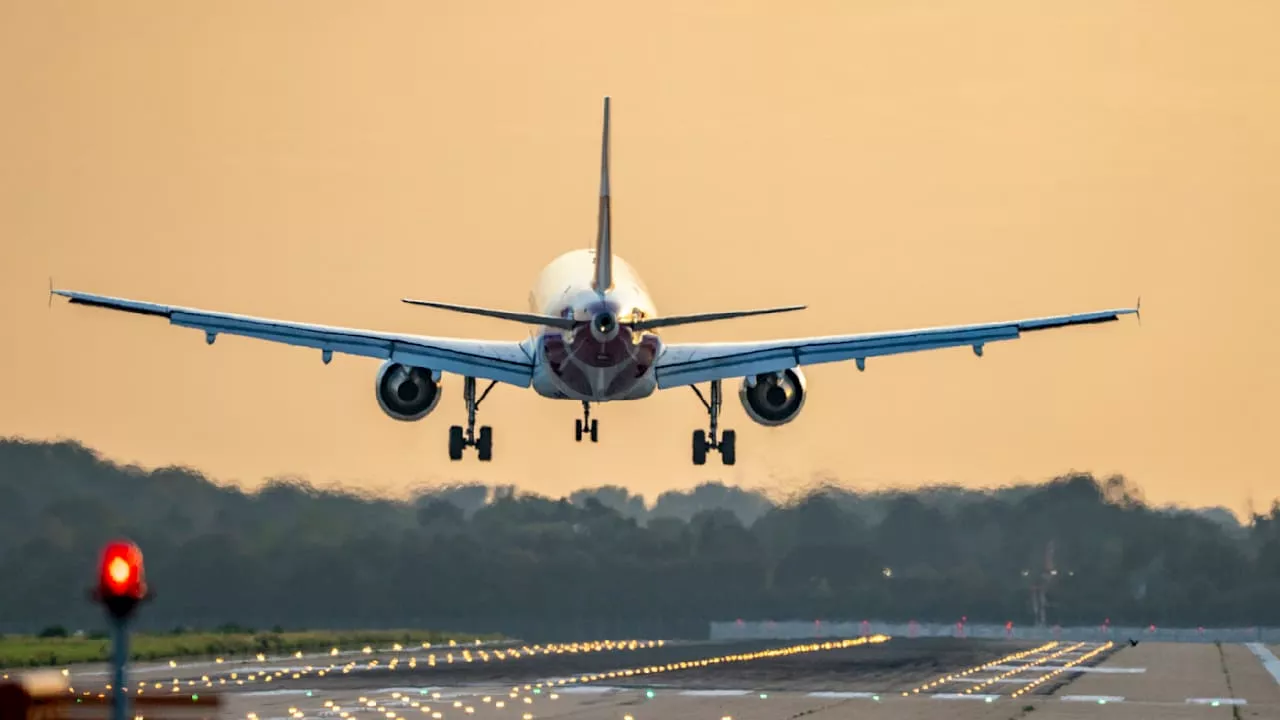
x=865, y=677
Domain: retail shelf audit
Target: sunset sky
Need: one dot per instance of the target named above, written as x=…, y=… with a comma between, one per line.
x=892, y=164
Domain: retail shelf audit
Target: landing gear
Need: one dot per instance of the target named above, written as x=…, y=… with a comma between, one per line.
x=585, y=425
x=460, y=439
x=726, y=443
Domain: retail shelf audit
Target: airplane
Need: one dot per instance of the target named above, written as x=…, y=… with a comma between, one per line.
x=594, y=338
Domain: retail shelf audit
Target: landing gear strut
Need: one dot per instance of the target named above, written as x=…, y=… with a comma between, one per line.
x=726, y=443
x=460, y=439
x=585, y=425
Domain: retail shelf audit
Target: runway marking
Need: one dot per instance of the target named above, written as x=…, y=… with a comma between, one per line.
x=1217, y=701
x=845, y=695
x=1267, y=658
x=963, y=696
x=1100, y=699
x=715, y=693
x=586, y=689
x=1104, y=670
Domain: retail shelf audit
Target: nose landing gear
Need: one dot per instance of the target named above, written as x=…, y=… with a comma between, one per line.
x=703, y=441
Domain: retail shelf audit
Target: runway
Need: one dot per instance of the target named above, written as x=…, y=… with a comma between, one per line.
x=864, y=677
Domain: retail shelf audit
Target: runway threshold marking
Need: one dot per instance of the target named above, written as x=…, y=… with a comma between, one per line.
x=1100, y=699
x=1215, y=702
x=1102, y=670
x=1267, y=658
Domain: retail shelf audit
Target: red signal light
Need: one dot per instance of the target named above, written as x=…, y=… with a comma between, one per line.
x=120, y=574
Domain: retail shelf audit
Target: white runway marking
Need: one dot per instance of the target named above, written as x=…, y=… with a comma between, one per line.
x=1217, y=701
x=843, y=695
x=963, y=696
x=1104, y=670
x=1268, y=659
x=715, y=693
x=1101, y=699
x=585, y=689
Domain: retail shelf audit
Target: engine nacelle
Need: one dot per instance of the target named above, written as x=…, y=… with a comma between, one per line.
x=774, y=398
x=405, y=392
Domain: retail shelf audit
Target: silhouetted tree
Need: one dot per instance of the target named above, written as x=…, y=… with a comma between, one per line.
x=600, y=562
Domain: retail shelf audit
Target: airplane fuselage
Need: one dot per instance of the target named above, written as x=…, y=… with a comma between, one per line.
x=600, y=359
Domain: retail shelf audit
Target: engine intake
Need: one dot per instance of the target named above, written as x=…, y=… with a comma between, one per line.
x=774, y=398
x=405, y=392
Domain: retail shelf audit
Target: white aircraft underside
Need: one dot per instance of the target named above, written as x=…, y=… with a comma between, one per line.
x=594, y=339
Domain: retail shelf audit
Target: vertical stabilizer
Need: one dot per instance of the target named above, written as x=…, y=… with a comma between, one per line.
x=604, y=247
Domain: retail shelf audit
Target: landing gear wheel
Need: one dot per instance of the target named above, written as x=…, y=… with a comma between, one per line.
x=456, y=442
x=585, y=425
x=460, y=438
x=729, y=447
x=699, y=447
x=484, y=444
x=704, y=440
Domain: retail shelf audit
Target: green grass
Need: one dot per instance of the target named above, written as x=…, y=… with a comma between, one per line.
x=31, y=651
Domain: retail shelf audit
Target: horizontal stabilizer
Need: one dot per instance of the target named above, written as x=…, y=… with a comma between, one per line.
x=670, y=320
x=528, y=318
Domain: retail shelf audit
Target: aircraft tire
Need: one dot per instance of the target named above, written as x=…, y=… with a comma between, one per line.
x=699, y=447
x=456, y=442
x=729, y=447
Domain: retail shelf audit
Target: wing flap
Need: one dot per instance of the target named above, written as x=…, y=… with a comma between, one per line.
x=504, y=361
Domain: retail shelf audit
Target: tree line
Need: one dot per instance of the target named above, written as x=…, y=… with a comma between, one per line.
x=603, y=562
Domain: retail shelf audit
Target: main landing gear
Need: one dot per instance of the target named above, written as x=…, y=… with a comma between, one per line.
x=703, y=441
x=459, y=439
x=585, y=425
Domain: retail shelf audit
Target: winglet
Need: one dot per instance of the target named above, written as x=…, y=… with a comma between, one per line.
x=1137, y=310
x=604, y=247
x=50, y=291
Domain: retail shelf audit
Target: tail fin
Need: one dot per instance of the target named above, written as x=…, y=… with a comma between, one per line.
x=604, y=248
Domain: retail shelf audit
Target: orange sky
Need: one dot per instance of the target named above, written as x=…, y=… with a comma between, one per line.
x=890, y=163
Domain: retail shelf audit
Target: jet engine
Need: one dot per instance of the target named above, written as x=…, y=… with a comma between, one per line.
x=774, y=398
x=405, y=392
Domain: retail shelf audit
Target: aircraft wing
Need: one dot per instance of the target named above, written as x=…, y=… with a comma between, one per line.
x=692, y=363
x=503, y=361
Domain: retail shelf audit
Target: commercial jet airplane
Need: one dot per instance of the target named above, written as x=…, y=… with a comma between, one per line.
x=594, y=339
